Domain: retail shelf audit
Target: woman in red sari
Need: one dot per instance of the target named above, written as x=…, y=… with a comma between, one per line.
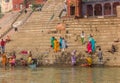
x=89, y=47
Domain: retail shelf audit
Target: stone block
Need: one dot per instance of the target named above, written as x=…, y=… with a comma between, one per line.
x=118, y=11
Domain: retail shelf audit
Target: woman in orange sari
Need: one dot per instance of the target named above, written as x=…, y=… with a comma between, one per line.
x=56, y=45
x=89, y=47
x=4, y=60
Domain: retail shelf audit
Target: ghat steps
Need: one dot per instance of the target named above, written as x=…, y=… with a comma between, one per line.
x=34, y=36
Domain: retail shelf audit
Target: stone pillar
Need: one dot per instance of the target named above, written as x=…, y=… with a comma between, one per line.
x=93, y=6
x=68, y=8
x=78, y=8
x=103, y=9
x=112, y=9
x=118, y=11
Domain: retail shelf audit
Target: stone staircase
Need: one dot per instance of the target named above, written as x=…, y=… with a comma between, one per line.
x=6, y=21
x=23, y=17
x=105, y=31
x=33, y=35
x=15, y=21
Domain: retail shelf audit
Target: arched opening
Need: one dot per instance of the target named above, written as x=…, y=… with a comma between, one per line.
x=72, y=10
x=0, y=9
x=6, y=1
x=89, y=10
x=107, y=9
x=114, y=7
x=98, y=10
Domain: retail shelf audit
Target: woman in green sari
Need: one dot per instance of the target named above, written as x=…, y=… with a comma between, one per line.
x=52, y=42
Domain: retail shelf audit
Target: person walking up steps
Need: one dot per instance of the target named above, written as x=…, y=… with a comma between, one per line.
x=3, y=45
x=82, y=37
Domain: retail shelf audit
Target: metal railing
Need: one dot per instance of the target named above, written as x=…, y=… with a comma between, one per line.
x=57, y=11
x=11, y=27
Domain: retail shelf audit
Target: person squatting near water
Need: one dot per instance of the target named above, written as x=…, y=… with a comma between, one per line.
x=73, y=58
x=4, y=60
x=32, y=62
x=23, y=62
x=88, y=62
x=10, y=61
x=100, y=55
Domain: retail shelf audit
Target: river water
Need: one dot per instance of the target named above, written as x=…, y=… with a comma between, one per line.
x=61, y=75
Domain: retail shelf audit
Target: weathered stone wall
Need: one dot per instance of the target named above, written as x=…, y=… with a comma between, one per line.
x=118, y=11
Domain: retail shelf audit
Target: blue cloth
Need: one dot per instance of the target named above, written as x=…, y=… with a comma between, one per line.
x=89, y=38
x=52, y=42
x=93, y=44
x=3, y=49
x=32, y=66
x=61, y=43
x=73, y=58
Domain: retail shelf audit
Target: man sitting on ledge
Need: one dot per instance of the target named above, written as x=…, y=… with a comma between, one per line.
x=113, y=49
x=8, y=39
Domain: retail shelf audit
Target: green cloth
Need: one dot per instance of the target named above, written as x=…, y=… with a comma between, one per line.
x=82, y=40
x=52, y=42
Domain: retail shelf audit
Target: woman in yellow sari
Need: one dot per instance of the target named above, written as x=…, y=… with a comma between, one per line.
x=89, y=60
x=56, y=45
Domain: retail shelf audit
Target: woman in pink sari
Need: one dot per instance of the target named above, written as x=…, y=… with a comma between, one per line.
x=89, y=47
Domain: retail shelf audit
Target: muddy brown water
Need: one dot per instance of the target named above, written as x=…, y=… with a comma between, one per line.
x=61, y=75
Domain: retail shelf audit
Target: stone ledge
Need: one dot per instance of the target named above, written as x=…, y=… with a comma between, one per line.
x=118, y=11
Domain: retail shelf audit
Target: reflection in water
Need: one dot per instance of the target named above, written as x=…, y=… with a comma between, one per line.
x=90, y=76
x=4, y=81
x=64, y=77
x=73, y=75
x=61, y=75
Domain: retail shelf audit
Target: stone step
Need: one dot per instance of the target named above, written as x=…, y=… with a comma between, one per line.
x=37, y=31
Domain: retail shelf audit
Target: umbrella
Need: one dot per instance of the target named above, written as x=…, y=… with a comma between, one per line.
x=61, y=26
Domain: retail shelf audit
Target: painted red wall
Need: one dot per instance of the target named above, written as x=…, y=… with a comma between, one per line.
x=39, y=1
x=17, y=3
